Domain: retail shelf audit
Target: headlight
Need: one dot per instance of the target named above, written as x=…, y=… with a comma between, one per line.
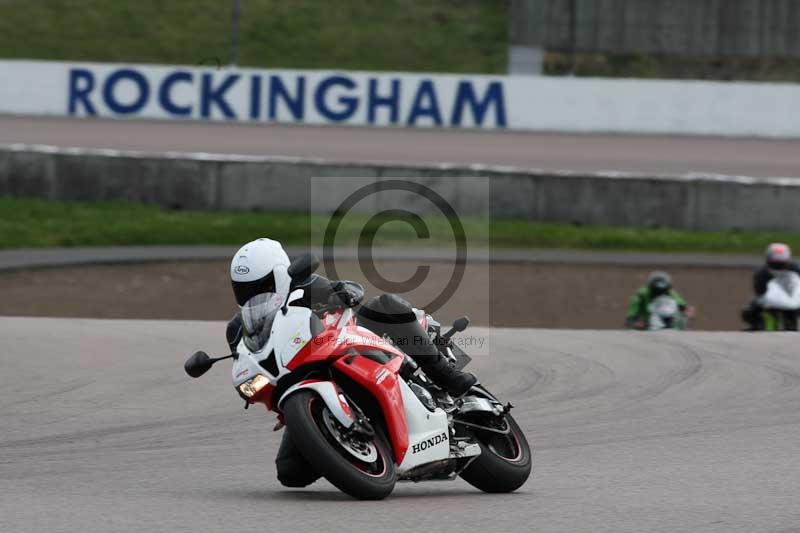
x=251, y=387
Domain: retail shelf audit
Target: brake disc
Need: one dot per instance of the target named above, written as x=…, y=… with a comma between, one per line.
x=364, y=451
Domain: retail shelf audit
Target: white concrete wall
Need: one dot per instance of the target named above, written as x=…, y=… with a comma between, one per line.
x=400, y=99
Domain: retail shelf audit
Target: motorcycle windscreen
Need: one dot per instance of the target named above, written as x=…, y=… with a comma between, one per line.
x=665, y=307
x=258, y=313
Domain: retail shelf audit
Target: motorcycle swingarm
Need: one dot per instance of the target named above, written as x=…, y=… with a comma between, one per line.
x=471, y=404
x=482, y=427
x=477, y=404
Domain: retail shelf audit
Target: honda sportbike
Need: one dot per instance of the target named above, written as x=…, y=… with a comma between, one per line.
x=363, y=414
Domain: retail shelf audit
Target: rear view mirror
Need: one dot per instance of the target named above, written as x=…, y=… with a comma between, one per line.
x=302, y=267
x=458, y=326
x=198, y=364
x=461, y=324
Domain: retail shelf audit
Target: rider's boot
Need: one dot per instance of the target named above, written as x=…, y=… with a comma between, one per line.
x=455, y=382
x=417, y=344
x=292, y=468
x=389, y=314
x=753, y=316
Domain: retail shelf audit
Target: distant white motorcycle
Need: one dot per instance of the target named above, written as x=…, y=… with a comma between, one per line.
x=781, y=302
x=665, y=313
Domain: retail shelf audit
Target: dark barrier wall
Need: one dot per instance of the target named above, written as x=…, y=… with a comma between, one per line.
x=693, y=27
x=218, y=182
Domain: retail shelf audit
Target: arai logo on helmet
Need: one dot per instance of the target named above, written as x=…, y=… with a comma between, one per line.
x=241, y=269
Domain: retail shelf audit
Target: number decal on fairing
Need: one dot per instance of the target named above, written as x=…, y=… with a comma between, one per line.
x=380, y=376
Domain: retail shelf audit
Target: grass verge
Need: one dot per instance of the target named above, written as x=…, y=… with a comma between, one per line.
x=41, y=223
x=469, y=36
x=417, y=35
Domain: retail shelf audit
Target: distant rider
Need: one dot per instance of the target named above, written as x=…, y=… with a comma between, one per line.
x=778, y=259
x=658, y=284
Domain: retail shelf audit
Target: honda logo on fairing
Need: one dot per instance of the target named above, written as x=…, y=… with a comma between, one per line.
x=429, y=443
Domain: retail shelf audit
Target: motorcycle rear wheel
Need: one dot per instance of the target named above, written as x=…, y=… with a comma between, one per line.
x=322, y=446
x=505, y=462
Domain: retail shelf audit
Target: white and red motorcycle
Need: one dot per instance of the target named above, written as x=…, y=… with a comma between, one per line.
x=363, y=414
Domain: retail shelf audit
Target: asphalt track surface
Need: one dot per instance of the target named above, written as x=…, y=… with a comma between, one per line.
x=103, y=432
x=547, y=151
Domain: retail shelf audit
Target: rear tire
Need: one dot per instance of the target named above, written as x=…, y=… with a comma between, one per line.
x=505, y=462
x=305, y=419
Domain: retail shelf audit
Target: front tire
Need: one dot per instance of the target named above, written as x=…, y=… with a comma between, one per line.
x=505, y=462
x=319, y=440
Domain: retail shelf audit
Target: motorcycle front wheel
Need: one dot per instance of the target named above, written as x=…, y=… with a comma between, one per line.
x=506, y=460
x=360, y=466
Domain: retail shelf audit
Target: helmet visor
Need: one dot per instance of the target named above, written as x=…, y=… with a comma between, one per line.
x=259, y=311
x=659, y=287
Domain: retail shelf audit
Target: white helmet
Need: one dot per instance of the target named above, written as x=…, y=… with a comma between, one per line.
x=260, y=282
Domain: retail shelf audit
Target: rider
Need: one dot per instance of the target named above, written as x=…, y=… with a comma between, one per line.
x=778, y=259
x=260, y=285
x=658, y=284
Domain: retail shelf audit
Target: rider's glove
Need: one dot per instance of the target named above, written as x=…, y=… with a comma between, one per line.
x=635, y=323
x=345, y=294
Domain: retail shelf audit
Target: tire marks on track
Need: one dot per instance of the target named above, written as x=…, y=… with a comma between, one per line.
x=632, y=431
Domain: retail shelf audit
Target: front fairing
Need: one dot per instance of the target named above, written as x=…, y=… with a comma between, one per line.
x=783, y=292
x=665, y=313
x=289, y=334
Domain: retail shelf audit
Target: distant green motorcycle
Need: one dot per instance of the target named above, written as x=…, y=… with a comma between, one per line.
x=666, y=313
